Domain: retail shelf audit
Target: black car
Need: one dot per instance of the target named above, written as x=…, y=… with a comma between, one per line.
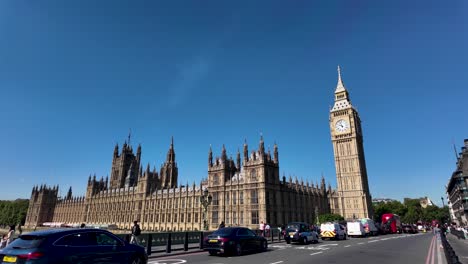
x=234, y=240
x=57, y=246
x=410, y=229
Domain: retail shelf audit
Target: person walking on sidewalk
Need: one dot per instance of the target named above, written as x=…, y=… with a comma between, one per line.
x=136, y=231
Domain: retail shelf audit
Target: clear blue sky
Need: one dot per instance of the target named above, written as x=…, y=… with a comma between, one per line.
x=75, y=76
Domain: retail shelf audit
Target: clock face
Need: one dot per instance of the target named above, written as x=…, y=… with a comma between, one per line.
x=341, y=125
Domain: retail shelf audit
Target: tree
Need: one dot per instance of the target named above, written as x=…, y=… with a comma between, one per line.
x=330, y=218
x=13, y=212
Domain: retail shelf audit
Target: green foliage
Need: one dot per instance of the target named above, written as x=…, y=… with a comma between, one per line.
x=13, y=212
x=411, y=211
x=330, y=218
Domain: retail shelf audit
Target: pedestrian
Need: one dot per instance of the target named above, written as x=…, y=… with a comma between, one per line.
x=262, y=228
x=267, y=229
x=82, y=225
x=222, y=225
x=136, y=231
x=3, y=242
x=10, y=234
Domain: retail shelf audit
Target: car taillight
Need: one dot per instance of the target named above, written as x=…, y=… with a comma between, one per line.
x=32, y=255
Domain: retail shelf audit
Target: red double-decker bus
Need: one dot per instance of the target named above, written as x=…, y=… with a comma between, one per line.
x=391, y=224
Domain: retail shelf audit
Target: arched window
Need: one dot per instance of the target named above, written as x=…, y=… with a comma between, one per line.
x=215, y=179
x=253, y=175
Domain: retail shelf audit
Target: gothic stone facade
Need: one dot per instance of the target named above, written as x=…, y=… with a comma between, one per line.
x=244, y=193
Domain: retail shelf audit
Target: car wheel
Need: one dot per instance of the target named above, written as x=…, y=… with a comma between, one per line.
x=288, y=241
x=136, y=260
x=304, y=241
x=238, y=250
x=212, y=252
x=264, y=246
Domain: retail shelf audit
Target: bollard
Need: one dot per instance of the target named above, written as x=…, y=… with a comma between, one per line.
x=201, y=240
x=186, y=242
x=168, y=245
x=149, y=244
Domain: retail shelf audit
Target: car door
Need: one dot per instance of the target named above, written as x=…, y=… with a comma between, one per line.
x=76, y=248
x=254, y=240
x=243, y=238
x=110, y=249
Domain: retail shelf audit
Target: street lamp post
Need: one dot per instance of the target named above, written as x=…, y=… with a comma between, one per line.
x=205, y=200
x=442, y=198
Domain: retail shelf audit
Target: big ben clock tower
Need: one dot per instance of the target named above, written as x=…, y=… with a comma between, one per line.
x=353, y=196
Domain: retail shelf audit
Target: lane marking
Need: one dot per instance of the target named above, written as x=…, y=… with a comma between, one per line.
x=277, y=262
x=347, y=246
x=372, y=241
x=167, y=261
x=316, y=253
x=428, y=257
x=360, y=243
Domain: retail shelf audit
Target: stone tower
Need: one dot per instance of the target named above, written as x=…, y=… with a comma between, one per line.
x=41, y=205
x=125, y=166
x=169, y=172
x=354, y=200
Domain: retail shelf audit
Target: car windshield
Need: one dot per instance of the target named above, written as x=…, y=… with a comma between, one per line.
x=27, y=241
x=327, y=227
x=293, y=226
x=222, y=232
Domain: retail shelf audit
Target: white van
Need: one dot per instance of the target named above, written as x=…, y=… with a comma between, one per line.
x=355, y=229
x=369, y=226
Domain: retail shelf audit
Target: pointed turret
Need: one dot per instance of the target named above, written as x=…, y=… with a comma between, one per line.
x=261, y=146
x=210, y=157
x=238, y=160
x=246, y=151
x=223, y=154
x=116, y=150
x=322, y=184
x=275, y=153
x=69, y=194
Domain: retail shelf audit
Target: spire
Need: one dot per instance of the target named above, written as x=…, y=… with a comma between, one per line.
x=129, y=136
x=246, y=151
x=223, y=154
x=116, y=150
x=210, y=157
x=275, y=153
x=261, y=147
x=339, y=86
x=171, y=154
x=238, y=160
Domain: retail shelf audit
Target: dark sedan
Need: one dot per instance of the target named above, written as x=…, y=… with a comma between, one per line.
x=235, y=240
x=72, y=246
x=410, y=229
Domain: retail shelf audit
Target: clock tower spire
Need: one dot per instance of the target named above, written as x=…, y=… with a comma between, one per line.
x=352, y=199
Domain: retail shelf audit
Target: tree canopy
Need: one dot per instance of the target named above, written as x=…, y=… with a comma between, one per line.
x=330, y=218
x=13, y=212
x=411, y=211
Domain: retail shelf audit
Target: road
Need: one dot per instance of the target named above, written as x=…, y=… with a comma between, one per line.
x=405, y=248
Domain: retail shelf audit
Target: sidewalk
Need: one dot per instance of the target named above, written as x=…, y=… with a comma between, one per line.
x=460, y=246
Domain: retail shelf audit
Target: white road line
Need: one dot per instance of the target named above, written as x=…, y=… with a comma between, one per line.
x=316, y=253
x=347, y=246
x=372, y=241
x=360, y=243
x=277, y=262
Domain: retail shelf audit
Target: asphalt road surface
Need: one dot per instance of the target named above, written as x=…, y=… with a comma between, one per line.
x=405, y=248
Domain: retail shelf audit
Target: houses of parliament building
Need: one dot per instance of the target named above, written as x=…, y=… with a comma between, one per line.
x=244, y=191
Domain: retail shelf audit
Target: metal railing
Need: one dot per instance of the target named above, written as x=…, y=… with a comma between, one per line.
x=166, y=242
